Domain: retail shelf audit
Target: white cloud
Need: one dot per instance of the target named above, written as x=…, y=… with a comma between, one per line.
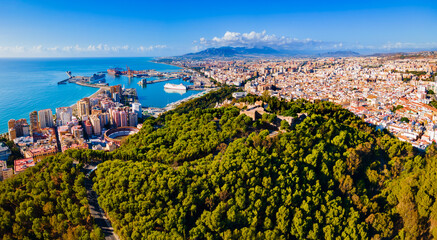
x=262, y=39
x=392, y=47
x=93, y=49
x=406, y=45
x=151, y=48
x=16, y=49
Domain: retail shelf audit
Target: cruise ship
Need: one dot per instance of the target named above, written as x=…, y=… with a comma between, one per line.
x=175, y=86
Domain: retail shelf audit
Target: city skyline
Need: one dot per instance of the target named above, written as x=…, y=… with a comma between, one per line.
x=114, y=29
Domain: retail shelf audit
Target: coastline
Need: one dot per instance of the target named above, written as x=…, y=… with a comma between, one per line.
x=174, y=105
x=100, y=90
x=174, y=65
x=169, y=106
x=156, y=111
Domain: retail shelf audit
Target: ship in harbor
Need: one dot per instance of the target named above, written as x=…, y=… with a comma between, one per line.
x=175, y=86
x=98, y=78
x=115, y=71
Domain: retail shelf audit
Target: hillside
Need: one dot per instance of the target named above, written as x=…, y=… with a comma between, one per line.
x=47, y=201
x=228, y=52
x=200, y=172
x=245, y=52
x=213, y=174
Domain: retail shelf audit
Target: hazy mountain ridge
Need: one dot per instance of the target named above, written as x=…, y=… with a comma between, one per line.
x=239, y=52
x=232, y=52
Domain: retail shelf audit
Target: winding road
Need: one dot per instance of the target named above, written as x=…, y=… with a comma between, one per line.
x=96, y=211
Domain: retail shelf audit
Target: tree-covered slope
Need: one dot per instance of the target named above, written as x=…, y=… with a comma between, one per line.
x=215, y=174
x=47, y=201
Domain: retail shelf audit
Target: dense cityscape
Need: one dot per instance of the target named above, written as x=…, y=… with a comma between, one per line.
x=384, y=97
x=393, y=94
x=98, y=122
x=80, y=126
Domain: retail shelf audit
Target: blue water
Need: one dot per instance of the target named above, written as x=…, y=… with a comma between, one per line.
x=31, y=84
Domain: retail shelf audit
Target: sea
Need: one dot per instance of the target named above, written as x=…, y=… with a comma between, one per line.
x=31, y=84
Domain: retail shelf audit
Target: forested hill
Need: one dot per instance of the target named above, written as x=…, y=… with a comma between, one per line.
x=213, y=173
x=47, y=201
x=200, y=172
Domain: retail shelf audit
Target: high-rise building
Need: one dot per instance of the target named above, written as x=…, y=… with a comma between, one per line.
x=123, y=119
x=95, y=122
x=34, y=123
x=11, y=123
x=136, y=108
x=19, y=124
x=83, y=107
x=115, y=89
x=77, y=131
x=63, y=115
x=104, y=119
x=88, y=128
x=18, y=128
x=12, y=134
x=26, y=129
x=119, y=117
x=115, y=117
x=133, y=119
x=106, y=105
x=116, y=92
x=11, y=129
x=45, y=118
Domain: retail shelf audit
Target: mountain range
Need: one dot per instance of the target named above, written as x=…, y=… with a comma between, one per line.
x=244, y=52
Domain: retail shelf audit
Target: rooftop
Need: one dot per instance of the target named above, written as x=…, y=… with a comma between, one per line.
x=22, y=164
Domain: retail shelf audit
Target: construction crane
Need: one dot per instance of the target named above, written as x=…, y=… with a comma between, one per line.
x=129, y=72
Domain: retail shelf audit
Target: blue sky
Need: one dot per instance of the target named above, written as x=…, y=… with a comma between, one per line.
x=47, y=28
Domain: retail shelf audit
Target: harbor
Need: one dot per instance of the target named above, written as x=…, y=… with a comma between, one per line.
x=97, y=80
x=94, y=85
x=23, y=99
x=147, y=73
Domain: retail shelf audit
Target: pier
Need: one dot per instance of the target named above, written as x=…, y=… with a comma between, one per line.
x=144, y=81
x=162, y=80
x=196, y=88
x=94, y=79
x=101, y=86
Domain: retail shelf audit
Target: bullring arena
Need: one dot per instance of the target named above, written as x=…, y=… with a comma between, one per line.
x=116, y=135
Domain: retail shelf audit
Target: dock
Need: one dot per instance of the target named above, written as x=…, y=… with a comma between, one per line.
x=94, y=79
x=161, y=80
x=144, y=81
x=197, y=88
x=94, y=85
